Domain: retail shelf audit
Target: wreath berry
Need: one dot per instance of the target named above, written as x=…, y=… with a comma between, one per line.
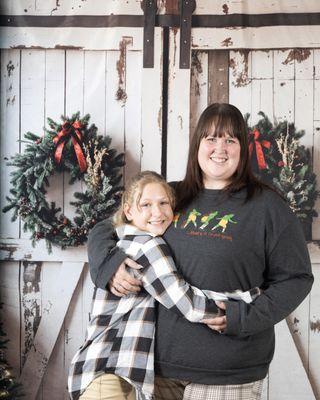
x=75, y=148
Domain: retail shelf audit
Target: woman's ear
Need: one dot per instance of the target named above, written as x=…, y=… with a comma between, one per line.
x=127, y=211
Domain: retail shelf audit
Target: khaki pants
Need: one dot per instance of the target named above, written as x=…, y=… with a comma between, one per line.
x=109, y=387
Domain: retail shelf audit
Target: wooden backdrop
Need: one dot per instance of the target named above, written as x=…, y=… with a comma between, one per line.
x=46, y=72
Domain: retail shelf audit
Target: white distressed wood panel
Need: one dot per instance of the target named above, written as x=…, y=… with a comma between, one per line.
x=133, y=72
x=32, y=113
x=283, y=104
x=10, y=131
x=21, y=249
x=256, y=38
x=54, y=375
x=49, y=329
x=240, y=81
x=10, y=312
x=54, y=107
x=304, y=89
x=316, y=167
x=262, y=84
x=94, y=87
x=30, y=298
x=70, y=7
x=114, y=108
x=316, y=138
x=304, y=110
x=73, y=38
x=314, y=339
x=299, y=325
x=287, y=377
x=178, y=112
x=74, y=102
x=87, y=293
x=72, y=329
x=199, y=87
x=151, y=110
x=256, y=7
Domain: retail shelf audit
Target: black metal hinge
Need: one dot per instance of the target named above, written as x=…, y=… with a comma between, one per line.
x=187, y=7
x=150, y=9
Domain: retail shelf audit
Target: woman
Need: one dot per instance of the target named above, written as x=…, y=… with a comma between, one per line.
x=224, y=217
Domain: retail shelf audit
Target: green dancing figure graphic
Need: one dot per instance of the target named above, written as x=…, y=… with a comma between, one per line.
x=192, y=218
x=224, y=222
x=207, y=218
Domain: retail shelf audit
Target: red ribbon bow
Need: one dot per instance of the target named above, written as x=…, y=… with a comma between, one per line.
x=258, y=147
x=63, y=136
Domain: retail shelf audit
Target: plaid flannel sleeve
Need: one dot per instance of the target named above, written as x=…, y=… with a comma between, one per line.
x=162, y=281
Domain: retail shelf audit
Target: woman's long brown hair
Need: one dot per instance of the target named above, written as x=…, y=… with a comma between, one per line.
x=225, y=119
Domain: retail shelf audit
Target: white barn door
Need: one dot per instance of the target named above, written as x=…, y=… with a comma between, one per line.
x=228, y=65
x=49, y=72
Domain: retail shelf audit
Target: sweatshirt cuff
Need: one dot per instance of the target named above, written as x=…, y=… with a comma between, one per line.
x=109, y=267
x=233, y=318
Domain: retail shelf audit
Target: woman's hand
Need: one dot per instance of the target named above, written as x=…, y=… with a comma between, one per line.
x=122, y=282
x=217, y=324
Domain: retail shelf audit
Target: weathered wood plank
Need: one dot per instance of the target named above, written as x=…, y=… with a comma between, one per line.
x=151, y=110
x=303, y=61
x=218, y=77
x=199, y=87
x=262, y=85
x=178, y=113
x=240, y=81
x=54, y=376
x=32, y=112
x=314, y=332
x=22, y=250
x=283, y=103
x=10, y=312
x=49, y=329
x=10, y=132
x=54, y=108
x=133, y=72
x=253, y=7
x=94, y=84
x=74, y=7
x=256, y=38
x=287, y=377
x=114, y=106
x=70, y=38
x=74, y=102
x=30, y=294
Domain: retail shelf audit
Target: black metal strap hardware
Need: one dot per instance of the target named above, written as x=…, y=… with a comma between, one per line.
x=187, y=8
x=150, y=9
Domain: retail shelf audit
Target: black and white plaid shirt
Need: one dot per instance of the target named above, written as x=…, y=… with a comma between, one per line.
x=120, y=335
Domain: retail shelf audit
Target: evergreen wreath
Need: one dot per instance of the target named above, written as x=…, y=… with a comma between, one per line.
x=72, y=147
x=278, y=159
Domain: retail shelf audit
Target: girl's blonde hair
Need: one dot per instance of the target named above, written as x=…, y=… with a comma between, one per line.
x=136, y=186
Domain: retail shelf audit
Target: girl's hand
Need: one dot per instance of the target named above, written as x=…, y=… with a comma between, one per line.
x=217, y=324
x=122, y=282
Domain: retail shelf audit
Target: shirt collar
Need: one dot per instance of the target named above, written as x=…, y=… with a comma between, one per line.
x=127, y=229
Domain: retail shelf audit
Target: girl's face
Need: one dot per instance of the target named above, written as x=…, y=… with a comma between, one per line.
x=218, y=158
x=152, y=212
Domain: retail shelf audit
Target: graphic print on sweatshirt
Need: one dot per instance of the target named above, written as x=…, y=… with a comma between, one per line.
x=214, y=224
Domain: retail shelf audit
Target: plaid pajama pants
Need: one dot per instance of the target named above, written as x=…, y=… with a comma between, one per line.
x=174, y=389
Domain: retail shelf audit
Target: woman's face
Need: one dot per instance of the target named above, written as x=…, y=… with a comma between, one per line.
x=218, y=158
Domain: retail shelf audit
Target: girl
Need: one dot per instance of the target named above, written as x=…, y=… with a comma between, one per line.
x=120, y=337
